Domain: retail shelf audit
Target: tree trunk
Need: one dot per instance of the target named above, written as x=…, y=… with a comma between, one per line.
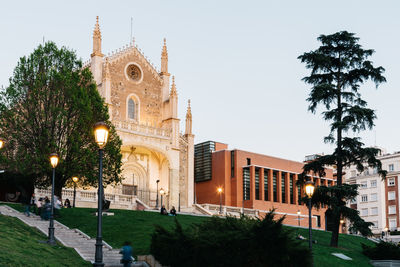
x=339, y=169
x=58, y=187
x=335, y=231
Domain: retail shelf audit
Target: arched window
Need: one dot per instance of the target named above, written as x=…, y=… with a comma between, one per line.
x=131, y=109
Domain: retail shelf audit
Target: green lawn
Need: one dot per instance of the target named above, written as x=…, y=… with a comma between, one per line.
x=19, y=246
x=348, y=245
x=137, y=227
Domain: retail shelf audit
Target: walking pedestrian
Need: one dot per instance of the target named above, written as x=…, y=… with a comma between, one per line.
x=126, y=252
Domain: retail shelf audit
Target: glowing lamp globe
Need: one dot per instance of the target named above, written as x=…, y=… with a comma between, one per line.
x=54, y=160
x=101, y=131
x=309, y=188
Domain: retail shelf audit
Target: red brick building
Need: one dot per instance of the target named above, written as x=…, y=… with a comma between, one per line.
x=254, y=181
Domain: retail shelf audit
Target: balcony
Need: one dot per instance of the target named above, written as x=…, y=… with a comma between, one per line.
x=141, y=129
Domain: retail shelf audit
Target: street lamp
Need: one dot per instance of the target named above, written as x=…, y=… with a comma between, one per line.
x=309, y=192
x=162, y=193
x=54, y=162
x=1, y=143
x=101, y=131
x=157, y=194
x=386, y=233
x=75, y=179
x=342, y=224
x=219, y=190
x=298, y=216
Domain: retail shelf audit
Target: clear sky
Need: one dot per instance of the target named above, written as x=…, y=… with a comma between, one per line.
x=235, y=60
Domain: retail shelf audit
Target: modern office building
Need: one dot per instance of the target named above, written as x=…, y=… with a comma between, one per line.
x=378, y=199
x=253, y=181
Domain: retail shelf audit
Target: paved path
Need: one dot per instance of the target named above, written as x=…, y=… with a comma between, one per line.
x=82, y=243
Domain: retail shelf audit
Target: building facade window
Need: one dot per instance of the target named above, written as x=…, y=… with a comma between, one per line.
x=274, y=185
x=392, y=209
x=391, y=182
x=364, y=198
x=248, y=160
x=298, y=194
x=392, y=224
x=353, y=173
x=246, y=184
x=391, y=167
x=373, y=183
x=374, y=197
x=364, y=212
x=266, y=171
x=374, y=211
x=391, y=195
x=232, y=163
x=257, y=183
x=363, y=184
x=291, y=181
x=283, y=186
x=375, y=226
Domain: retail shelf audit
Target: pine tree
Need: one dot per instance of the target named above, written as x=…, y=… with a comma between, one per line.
x=338, y=68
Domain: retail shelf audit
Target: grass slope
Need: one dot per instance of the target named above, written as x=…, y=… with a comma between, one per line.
x=137, y=227
x=19, y=246
x=348, y=245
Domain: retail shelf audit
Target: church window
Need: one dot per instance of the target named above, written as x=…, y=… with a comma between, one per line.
x=134, y=73
x=131, y=109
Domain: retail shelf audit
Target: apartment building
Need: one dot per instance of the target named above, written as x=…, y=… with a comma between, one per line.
x=378, y=199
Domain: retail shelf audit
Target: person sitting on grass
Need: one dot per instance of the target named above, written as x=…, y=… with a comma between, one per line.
x=172, y=212
x=126, y=252
x=164, y=210
x=67, y=203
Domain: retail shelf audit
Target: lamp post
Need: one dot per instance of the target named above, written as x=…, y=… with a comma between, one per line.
x=386, y=233
x=75, y=179
x=53, y=161
x=101, y=135
x=219, y=190
x=298, y=216
x=309, y=192
x=157, y=194
x=162, y=193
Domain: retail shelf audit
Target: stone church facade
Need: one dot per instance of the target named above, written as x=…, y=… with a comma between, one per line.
x=143, y=107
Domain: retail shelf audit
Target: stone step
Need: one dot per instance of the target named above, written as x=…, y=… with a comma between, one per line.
x=70, y=237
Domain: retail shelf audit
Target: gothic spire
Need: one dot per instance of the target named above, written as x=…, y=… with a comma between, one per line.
x=188, y=128
x=173, y=91
x=97, y=39
x=164, y=58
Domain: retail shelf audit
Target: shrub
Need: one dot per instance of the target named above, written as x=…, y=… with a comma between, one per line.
x=382, y=251
x=230, y=242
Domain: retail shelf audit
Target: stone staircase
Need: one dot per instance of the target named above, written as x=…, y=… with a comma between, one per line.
x=74, y=238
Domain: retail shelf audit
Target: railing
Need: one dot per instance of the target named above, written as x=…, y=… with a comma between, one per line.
x=148, y=197
x=229, y=210
x=142, y=129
